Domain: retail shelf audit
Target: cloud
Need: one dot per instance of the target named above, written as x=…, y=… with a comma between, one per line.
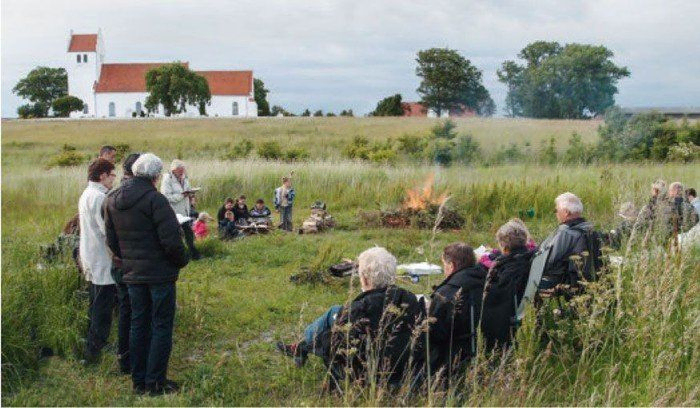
x=334, y=55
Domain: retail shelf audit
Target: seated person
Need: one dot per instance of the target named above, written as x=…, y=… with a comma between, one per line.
x=358, y=324
x=240, y=211
x=570, y=238
x=623, y=231
x=228, y=206
x=228, y=228
x=505, y=285
x=260, y=214
x=455, y=306
x=489, y=259
x=200, y=228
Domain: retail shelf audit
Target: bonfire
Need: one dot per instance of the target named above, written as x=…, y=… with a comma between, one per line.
x=423, y=208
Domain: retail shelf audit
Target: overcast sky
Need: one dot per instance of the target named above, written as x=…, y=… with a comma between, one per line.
x=334, y=55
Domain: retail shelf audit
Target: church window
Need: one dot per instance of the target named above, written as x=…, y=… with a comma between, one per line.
x=85, y=108
x=112, y=110
x=84, y=57
x=138, y=108
x=235, y=109
x=78, y=58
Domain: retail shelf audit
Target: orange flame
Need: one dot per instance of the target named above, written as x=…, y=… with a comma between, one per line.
x=419, y=199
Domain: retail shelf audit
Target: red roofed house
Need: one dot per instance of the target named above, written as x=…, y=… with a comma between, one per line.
x=418, y=109
x=119, y=89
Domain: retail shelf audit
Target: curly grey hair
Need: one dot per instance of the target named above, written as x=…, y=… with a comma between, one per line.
x=148, y=165
x=378, y=267
x=512, y=235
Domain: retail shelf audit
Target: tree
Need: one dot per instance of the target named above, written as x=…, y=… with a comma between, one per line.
x=389, y=106
x=572, y=82
x=175, y=86
x=277, y=109
x=318, y=113
x=64, y=105
x=42, y=86
x=32, y=110
x=261, y=97
x=347, y=113
x=449, y=81
x=306, y=112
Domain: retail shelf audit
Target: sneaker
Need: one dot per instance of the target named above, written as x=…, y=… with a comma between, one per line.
x=167, y=387
x=297, y=350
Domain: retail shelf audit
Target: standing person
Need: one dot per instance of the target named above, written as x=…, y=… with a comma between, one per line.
x=284, y=200
x=682, y=217
x=95, y=259
x=142, y=230
x=122, y=291
x=108, y=153
x=693, y=199
x=176, y=188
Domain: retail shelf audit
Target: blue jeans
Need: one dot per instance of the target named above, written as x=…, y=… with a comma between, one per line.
x=151, y=337
x=286, y=218
x=321, y=324
x=100, y=314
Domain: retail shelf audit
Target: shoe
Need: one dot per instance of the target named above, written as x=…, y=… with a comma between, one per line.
x=297, y=350
x=139, y=389
x=167, y=387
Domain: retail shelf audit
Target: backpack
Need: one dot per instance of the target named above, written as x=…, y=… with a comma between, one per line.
x=593, y=257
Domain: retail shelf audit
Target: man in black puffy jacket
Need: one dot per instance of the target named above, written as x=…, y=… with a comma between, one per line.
x=455, y=306
x=143, y=232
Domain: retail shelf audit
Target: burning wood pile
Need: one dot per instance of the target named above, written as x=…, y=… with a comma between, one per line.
x=421, y=208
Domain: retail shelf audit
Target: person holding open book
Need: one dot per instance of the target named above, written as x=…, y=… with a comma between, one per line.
x=176, y=188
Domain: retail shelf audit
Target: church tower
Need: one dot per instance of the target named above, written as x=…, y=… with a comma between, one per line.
x=83, y=65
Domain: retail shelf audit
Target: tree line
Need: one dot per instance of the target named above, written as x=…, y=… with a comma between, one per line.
x=554, y=81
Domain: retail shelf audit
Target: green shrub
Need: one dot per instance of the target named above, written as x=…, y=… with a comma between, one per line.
x=412, y=145
x=510, y=154
x=684, y=152
x=467, y=149
x=270, y=150
x=548, y=153
x=240, y=150
x=444, y=130
x=357, y=149
x=67, y=157
x=296, y=154
x=441, y=152
x=578, y=152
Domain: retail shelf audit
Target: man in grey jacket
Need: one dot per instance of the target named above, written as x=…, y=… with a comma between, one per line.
x=567, y=240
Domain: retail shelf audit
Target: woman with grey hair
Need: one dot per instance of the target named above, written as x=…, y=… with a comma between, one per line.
x=381, y=319
x=505, y=285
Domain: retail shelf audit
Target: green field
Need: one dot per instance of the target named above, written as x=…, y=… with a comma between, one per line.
x=637, y=344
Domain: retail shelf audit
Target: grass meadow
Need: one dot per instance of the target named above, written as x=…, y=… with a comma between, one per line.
x=636, y=341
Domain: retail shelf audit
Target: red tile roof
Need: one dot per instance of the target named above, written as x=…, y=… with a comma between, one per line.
x=83, y=43
x=229, y=82
x=125, y=77
x=414, y=109
x=132, y=78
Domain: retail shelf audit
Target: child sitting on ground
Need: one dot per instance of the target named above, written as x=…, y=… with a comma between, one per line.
x=260, y=214
x=227, y=227
x=200, y=228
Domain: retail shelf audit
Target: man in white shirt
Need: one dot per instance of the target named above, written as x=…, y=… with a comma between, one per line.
x=95, y=257
x=176, y=188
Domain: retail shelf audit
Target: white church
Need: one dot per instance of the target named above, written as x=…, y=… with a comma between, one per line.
x=118, y=90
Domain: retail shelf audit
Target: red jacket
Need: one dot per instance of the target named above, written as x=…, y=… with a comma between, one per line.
x=200, y=229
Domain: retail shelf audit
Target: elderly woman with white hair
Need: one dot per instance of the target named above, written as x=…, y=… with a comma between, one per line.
x=570, y=238
x=175, y=186
x=380, y=319
x=505, y=285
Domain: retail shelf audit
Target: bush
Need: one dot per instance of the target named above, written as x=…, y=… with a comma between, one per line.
x=240, y=150
x=684, y=152
x=318, y=113
x=35, y=110
x=270, y=150
x=357, y=149
x=441, y=152
x=67, y=157
x=548, y=153
x=466, y=149
x=63, y=106
x=510, y=154
x=295, y=154
x=412, y=145
x=444, y=130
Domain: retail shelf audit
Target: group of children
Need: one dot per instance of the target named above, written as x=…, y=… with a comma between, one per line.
x=233, y=218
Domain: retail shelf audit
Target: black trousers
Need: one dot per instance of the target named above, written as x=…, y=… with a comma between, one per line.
x=100, y=314
x=124, y=327
x=189, y=239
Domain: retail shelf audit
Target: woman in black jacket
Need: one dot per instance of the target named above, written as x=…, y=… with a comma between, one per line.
x=505, y=285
